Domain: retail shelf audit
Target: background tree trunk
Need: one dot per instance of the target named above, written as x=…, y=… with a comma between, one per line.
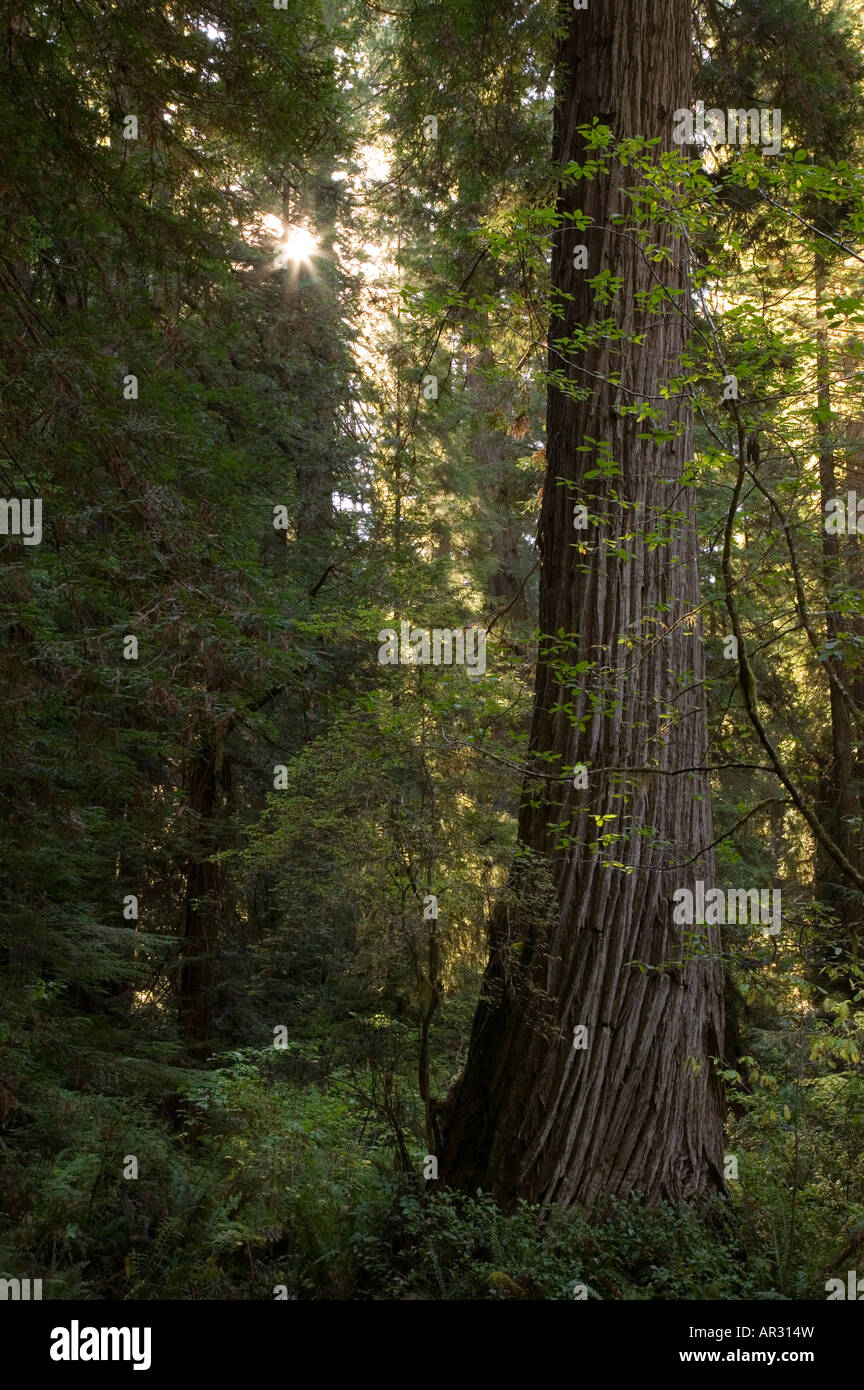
x=640, y=1108
x=203, y=880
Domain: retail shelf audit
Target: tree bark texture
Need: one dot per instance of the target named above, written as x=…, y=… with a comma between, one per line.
x=640, y=1108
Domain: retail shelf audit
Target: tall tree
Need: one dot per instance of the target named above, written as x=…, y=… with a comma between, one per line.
x=587, y=938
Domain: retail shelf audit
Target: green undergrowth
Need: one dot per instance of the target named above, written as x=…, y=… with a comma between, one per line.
x=278, y=1175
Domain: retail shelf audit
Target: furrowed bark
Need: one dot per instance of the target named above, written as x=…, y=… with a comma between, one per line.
x=639, y=1109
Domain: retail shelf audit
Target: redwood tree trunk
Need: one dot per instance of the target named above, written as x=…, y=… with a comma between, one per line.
x=840, y=799
x=639, y=1109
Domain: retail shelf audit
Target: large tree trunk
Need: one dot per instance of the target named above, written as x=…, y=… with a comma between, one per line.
x=640, y=1108
x=840, y=796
